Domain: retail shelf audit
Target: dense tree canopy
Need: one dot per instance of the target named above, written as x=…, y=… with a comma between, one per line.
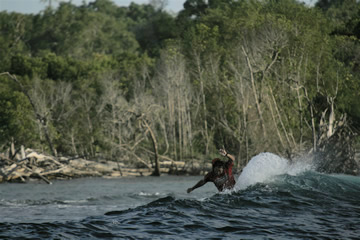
x=253, y=76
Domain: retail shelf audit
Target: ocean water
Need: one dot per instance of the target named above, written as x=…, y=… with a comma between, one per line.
x=271, y=200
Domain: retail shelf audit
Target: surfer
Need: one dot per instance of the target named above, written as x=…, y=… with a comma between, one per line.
x=221, y=174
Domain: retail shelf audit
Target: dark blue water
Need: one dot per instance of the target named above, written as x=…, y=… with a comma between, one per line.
x=272, y=200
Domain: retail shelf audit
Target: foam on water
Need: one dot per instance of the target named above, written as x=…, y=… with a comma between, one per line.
x=265, y=166
x=150, y=194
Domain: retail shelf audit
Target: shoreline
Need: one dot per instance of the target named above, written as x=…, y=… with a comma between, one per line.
x=30, y=165
x=23, y=166
x=40, y=181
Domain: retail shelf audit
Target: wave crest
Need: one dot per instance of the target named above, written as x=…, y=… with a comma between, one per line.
x=265, y=166
x=261, y=168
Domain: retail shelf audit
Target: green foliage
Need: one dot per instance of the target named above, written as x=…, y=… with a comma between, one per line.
x=14, y=34
x=220, y=73
x=16, y=118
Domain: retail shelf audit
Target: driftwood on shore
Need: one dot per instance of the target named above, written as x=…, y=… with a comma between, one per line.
x=23, y=165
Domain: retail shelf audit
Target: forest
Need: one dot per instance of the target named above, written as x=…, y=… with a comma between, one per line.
x=139, y=84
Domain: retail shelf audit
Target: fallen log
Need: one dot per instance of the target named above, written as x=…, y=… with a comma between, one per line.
x=14, y=167
x=54, y=171
x=38, y=174
x=42, y=157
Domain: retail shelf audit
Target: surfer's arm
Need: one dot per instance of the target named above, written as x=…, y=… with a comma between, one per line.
x=200, y=183
x=230, y=157
x=224, y=153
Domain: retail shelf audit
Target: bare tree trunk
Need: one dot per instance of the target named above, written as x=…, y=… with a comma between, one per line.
x=188, y=127
x=73, y=142
x=318, y=71
x=173, y=127
x=153, y=138
x=202, y=92
x=180, y=126
x=279, y=117
x=90, y=130
x=313, y=129
x=258, y=107
x=246, y=133
x=331, y=117
x=276, y=127
x=300, y=116
x=165, y=136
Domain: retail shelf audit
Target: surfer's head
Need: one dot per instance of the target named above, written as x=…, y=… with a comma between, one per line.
x=218, y=166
